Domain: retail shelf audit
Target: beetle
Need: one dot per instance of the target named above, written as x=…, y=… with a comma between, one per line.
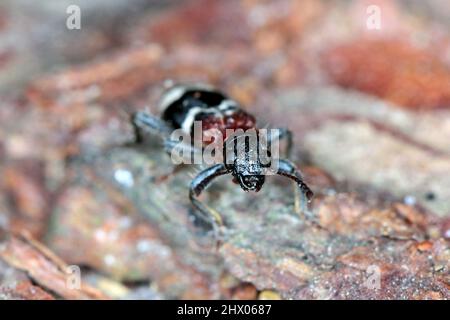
x=183, y=105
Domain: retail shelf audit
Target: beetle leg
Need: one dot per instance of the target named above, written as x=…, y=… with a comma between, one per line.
x=283, y=133
x=200, y=182
x=181, y=151
x=144, y=121
x=288, y=169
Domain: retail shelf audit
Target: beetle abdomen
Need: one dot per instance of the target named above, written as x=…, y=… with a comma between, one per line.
x=183, y=105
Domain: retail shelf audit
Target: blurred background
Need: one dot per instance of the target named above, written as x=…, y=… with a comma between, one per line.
x=364, y=86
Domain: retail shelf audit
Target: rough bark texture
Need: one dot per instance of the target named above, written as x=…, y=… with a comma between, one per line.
x=371, y=120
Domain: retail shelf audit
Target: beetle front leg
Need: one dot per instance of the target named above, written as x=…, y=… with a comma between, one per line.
x=200, y=182
x=288, y=169
x=283, y=133
x=145, y=122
